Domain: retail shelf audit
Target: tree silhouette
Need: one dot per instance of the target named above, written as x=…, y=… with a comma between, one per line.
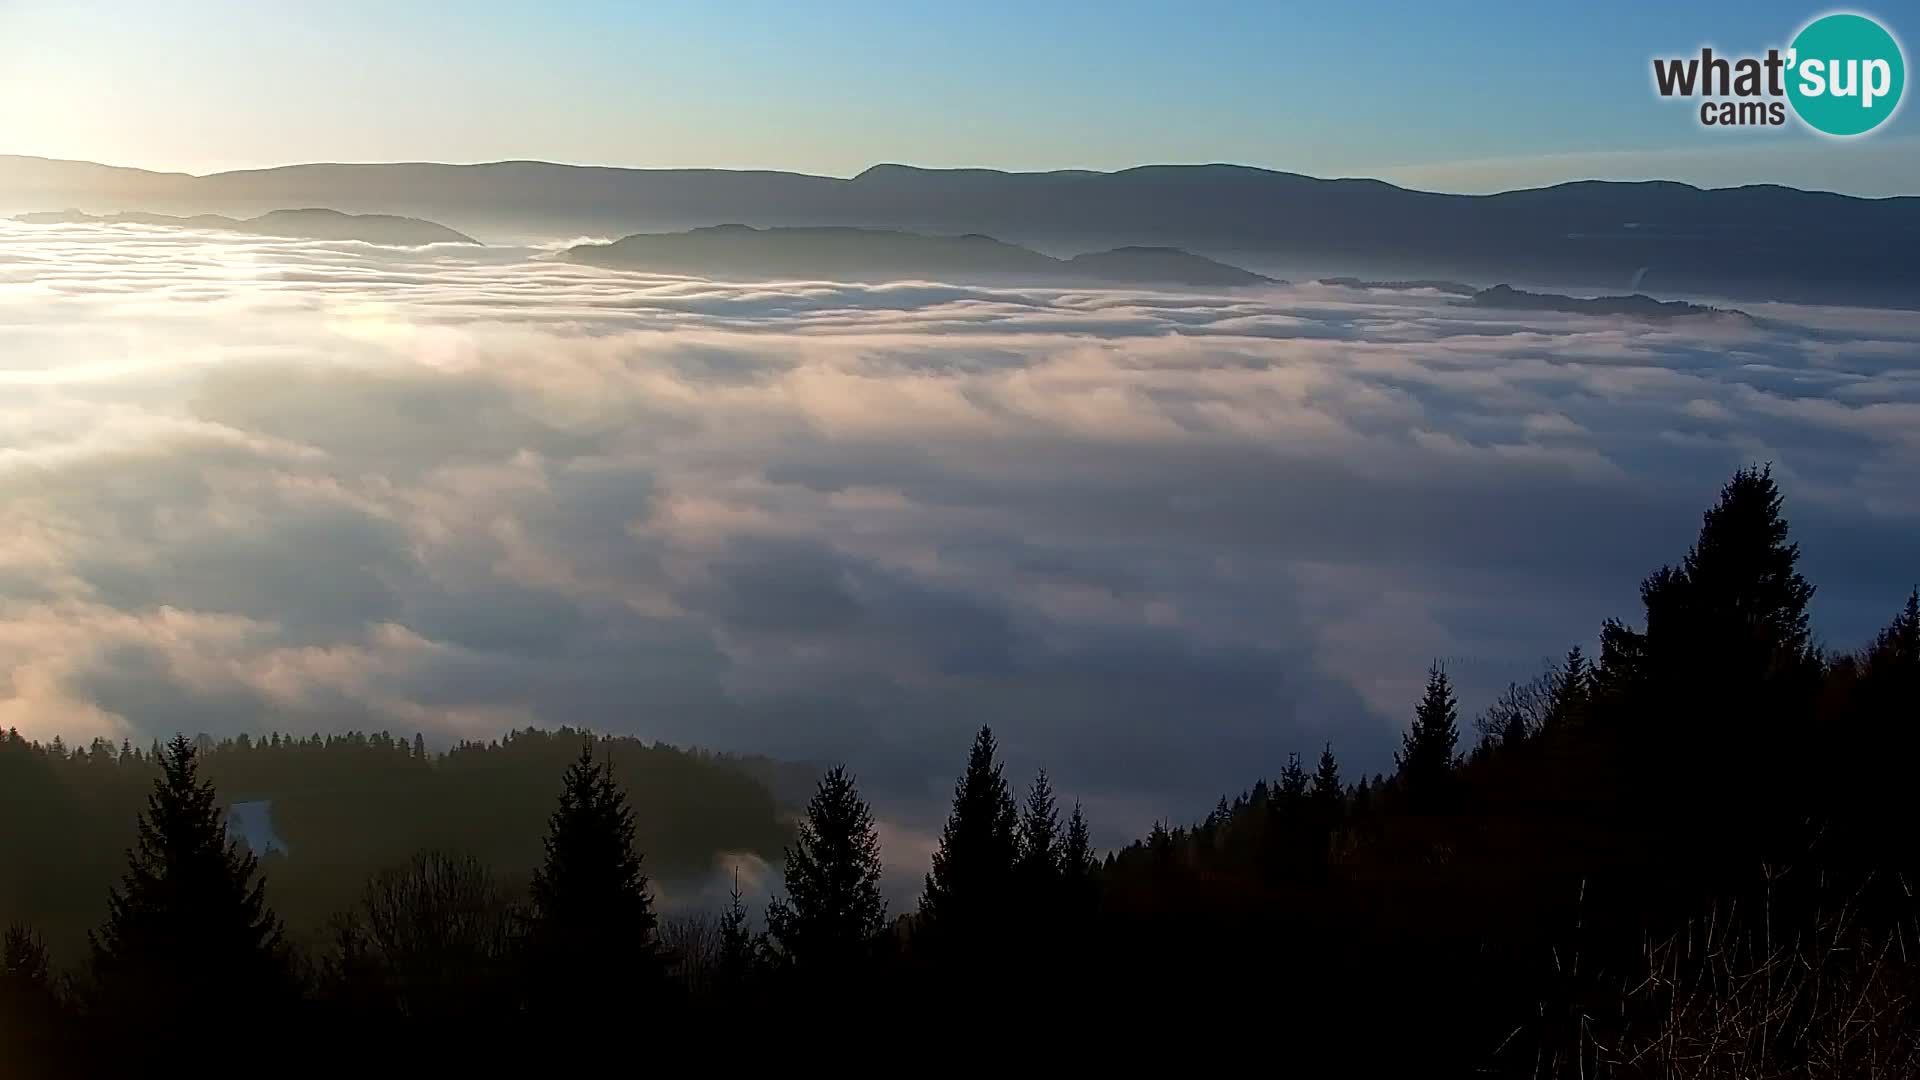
x=431, y=940
x=30, y=1006
x=1328, y=800
x=1077, y=866
x=1426, y=756
x=738, y=951
x=1895, y=652
x=833, y=906
x=1327, y=792
x=592, y=935
x=970, y=889
x=188, y=931
x=1738, y=592
x=1569, y=688
x=1039, y=862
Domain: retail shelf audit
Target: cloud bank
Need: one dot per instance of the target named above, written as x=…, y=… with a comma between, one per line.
x=1158, y=540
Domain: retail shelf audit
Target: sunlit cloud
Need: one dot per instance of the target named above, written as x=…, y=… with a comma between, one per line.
x=1157, y=539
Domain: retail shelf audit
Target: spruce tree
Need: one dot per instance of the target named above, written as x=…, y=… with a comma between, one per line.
x=1077, y=862
x=1328, y=802
x=970, y=888
x=592, y=932
x=1426, y=757
x=833, y=907
x=188, y=934
x=1327, y=791
x=1895, y=652
x=738, y=952
x=1568, y=690
x=1039, y=864
x=1293, y=785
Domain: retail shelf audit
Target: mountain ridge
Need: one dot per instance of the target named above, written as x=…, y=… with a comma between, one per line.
x=1755, y=242
x=860, y=254
x=309, y=223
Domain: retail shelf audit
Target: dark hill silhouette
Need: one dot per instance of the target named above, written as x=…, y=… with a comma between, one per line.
x=1161, y=264
x=891, y=255
x=298, y=224
x=1760, y=242
x=1636, y=306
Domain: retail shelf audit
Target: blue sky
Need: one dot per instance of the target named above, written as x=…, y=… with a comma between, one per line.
x=1466, y=97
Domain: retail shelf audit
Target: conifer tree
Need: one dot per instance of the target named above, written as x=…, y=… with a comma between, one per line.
x=1039, y=863
x=833, y=907
x=1327, y=791
x=737, y=948
x=1736, y=606
x=1077, y=861
x=1568, y=689
x=1426, y=757
x=592, y=933
x=971, y=885
x=1327, y=806
x=1293, y=784
x=1896, y=650
x=188, y=933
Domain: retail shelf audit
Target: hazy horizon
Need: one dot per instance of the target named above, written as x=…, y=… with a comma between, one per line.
x=1498, y=100
x=1454, y=177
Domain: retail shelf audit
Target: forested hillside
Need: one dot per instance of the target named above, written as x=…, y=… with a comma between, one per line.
x=348, y=805
x=1691, y=856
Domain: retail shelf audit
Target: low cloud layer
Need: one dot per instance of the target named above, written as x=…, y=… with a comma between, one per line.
x=1156, y=539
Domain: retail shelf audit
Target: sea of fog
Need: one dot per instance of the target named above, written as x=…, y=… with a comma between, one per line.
x=1157, y=539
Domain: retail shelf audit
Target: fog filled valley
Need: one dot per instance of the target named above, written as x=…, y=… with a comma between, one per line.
x=1320, y=626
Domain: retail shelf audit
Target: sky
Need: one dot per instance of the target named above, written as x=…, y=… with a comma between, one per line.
x=1452, y=97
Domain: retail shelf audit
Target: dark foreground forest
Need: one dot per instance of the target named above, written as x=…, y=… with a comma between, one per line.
x=1688, y=856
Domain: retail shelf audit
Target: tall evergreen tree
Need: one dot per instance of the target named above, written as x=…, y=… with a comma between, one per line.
x=1293, y=785
x=1734, y=612
x=970, y=887
x=1077, y=894
x=1327, y=791
x=1039, y=863
x=1895, y=651
x=833, y=907
x=188, y=934
x=1077, y=860
x=1568, y=689
x=735, y=964
x=1426, y=757
x=592, y=934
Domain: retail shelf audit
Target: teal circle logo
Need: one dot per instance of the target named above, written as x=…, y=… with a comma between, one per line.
x=1845, y=74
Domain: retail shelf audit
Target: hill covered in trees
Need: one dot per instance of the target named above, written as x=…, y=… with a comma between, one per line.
x=1690, y=856
x=348, y=805
x=848, y=254
x=310, y=224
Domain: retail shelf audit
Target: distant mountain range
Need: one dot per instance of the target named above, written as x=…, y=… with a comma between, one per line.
x=1635, y=306
x=299, y=224
x=1760, y=242
x=852, y=254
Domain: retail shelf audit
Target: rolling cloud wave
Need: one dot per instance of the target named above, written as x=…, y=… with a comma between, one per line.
x=1157, y=539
